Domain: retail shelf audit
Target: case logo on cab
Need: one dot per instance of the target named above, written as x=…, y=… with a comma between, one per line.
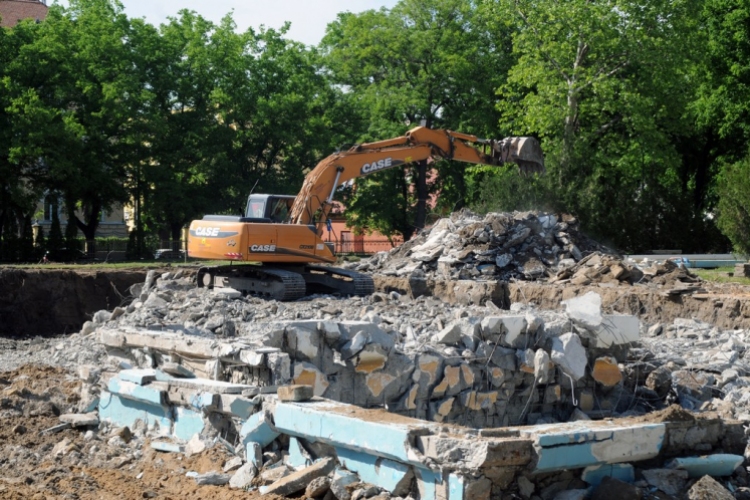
x=207, y=231
x=262, y=248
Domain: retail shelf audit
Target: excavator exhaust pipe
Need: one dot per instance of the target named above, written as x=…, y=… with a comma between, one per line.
x=526, y=152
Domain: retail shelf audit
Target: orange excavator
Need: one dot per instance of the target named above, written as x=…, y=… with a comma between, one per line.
x=282, y=235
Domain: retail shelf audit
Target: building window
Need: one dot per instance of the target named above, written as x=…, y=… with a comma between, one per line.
x=51, y=206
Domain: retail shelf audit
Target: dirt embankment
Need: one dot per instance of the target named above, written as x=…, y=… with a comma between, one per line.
x=47, y=302
x=724, y=306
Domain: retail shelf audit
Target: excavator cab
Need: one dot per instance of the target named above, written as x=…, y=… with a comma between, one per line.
x=268, y=207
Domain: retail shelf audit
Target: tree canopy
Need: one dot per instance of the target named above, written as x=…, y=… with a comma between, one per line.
x=639, y=106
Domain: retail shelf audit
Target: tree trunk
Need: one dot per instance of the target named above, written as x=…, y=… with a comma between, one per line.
x=92, y=215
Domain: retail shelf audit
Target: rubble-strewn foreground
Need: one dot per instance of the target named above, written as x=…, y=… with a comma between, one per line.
x=435, y=388
x=386, y=396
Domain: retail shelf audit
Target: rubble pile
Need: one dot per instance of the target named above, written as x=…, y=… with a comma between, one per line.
x=518, y=245
x=476, y=365
x=389, y=397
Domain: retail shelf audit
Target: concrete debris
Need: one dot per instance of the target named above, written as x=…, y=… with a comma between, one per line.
x=298, y=481
x=670, y=481
x=391, y=396
x=467, y=246
x=212, y=478
x=707, y=488
x=244, y=475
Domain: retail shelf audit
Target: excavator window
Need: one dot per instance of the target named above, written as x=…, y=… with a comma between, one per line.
x=257, y=208
x=280, y=210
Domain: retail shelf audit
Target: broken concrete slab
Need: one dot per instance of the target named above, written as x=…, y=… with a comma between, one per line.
x=298, y=481
x=719, y=464
x=586, y=443
x=80, y=419
x=614, y=330
x=259, y=429
x=390, y=475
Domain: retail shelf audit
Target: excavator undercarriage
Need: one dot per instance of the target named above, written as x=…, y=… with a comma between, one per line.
x=286, y=283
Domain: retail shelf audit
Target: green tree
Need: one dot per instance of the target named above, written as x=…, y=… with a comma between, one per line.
x=607, y=86
x=724, y=107
x=425, y=61
x=18, y=189
x=74, y=99
x=734, y=204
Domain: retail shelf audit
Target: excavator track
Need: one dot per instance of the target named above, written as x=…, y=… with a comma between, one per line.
x=337, y=280
x=278, y=284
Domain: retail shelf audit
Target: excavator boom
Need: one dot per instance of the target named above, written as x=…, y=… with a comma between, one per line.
x=314, y=199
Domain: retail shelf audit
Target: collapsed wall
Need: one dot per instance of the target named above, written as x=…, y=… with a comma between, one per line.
x=477, y=365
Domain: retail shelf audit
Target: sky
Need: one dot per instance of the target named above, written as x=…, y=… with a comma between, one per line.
x=309, y=18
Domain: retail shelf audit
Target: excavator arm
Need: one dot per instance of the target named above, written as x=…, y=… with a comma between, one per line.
x=314, y=200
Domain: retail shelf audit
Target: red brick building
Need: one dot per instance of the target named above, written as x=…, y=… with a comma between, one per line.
x=13, y=11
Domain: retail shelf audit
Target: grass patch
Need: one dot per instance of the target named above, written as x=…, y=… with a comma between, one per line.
x=720, y=275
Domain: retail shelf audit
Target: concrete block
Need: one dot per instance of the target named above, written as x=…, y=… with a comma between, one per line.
x=308, y=374
x=584, y=443
x=476, y=453
x=585, y=311
x=297, y=481
x=709, y=488
x=568, y=353
x=372, y=358
x=606, y=371
x=254, y=453
x=295, y=392
x=513, y=328
x=258, y=428
x=303, y=339
x=298, y=457
x=167, y=447
x=451, y=334
x=719, y=464
x=390, y=475
x=187, y=423
x=595, y=474
x=123, y=411
x=352, y=427
x=130, y=390
x=238, y=406
x=615, y=329
x=244, y=476
x=80, y=419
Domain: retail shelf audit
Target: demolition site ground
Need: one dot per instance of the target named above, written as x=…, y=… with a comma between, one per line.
x=502, y=356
